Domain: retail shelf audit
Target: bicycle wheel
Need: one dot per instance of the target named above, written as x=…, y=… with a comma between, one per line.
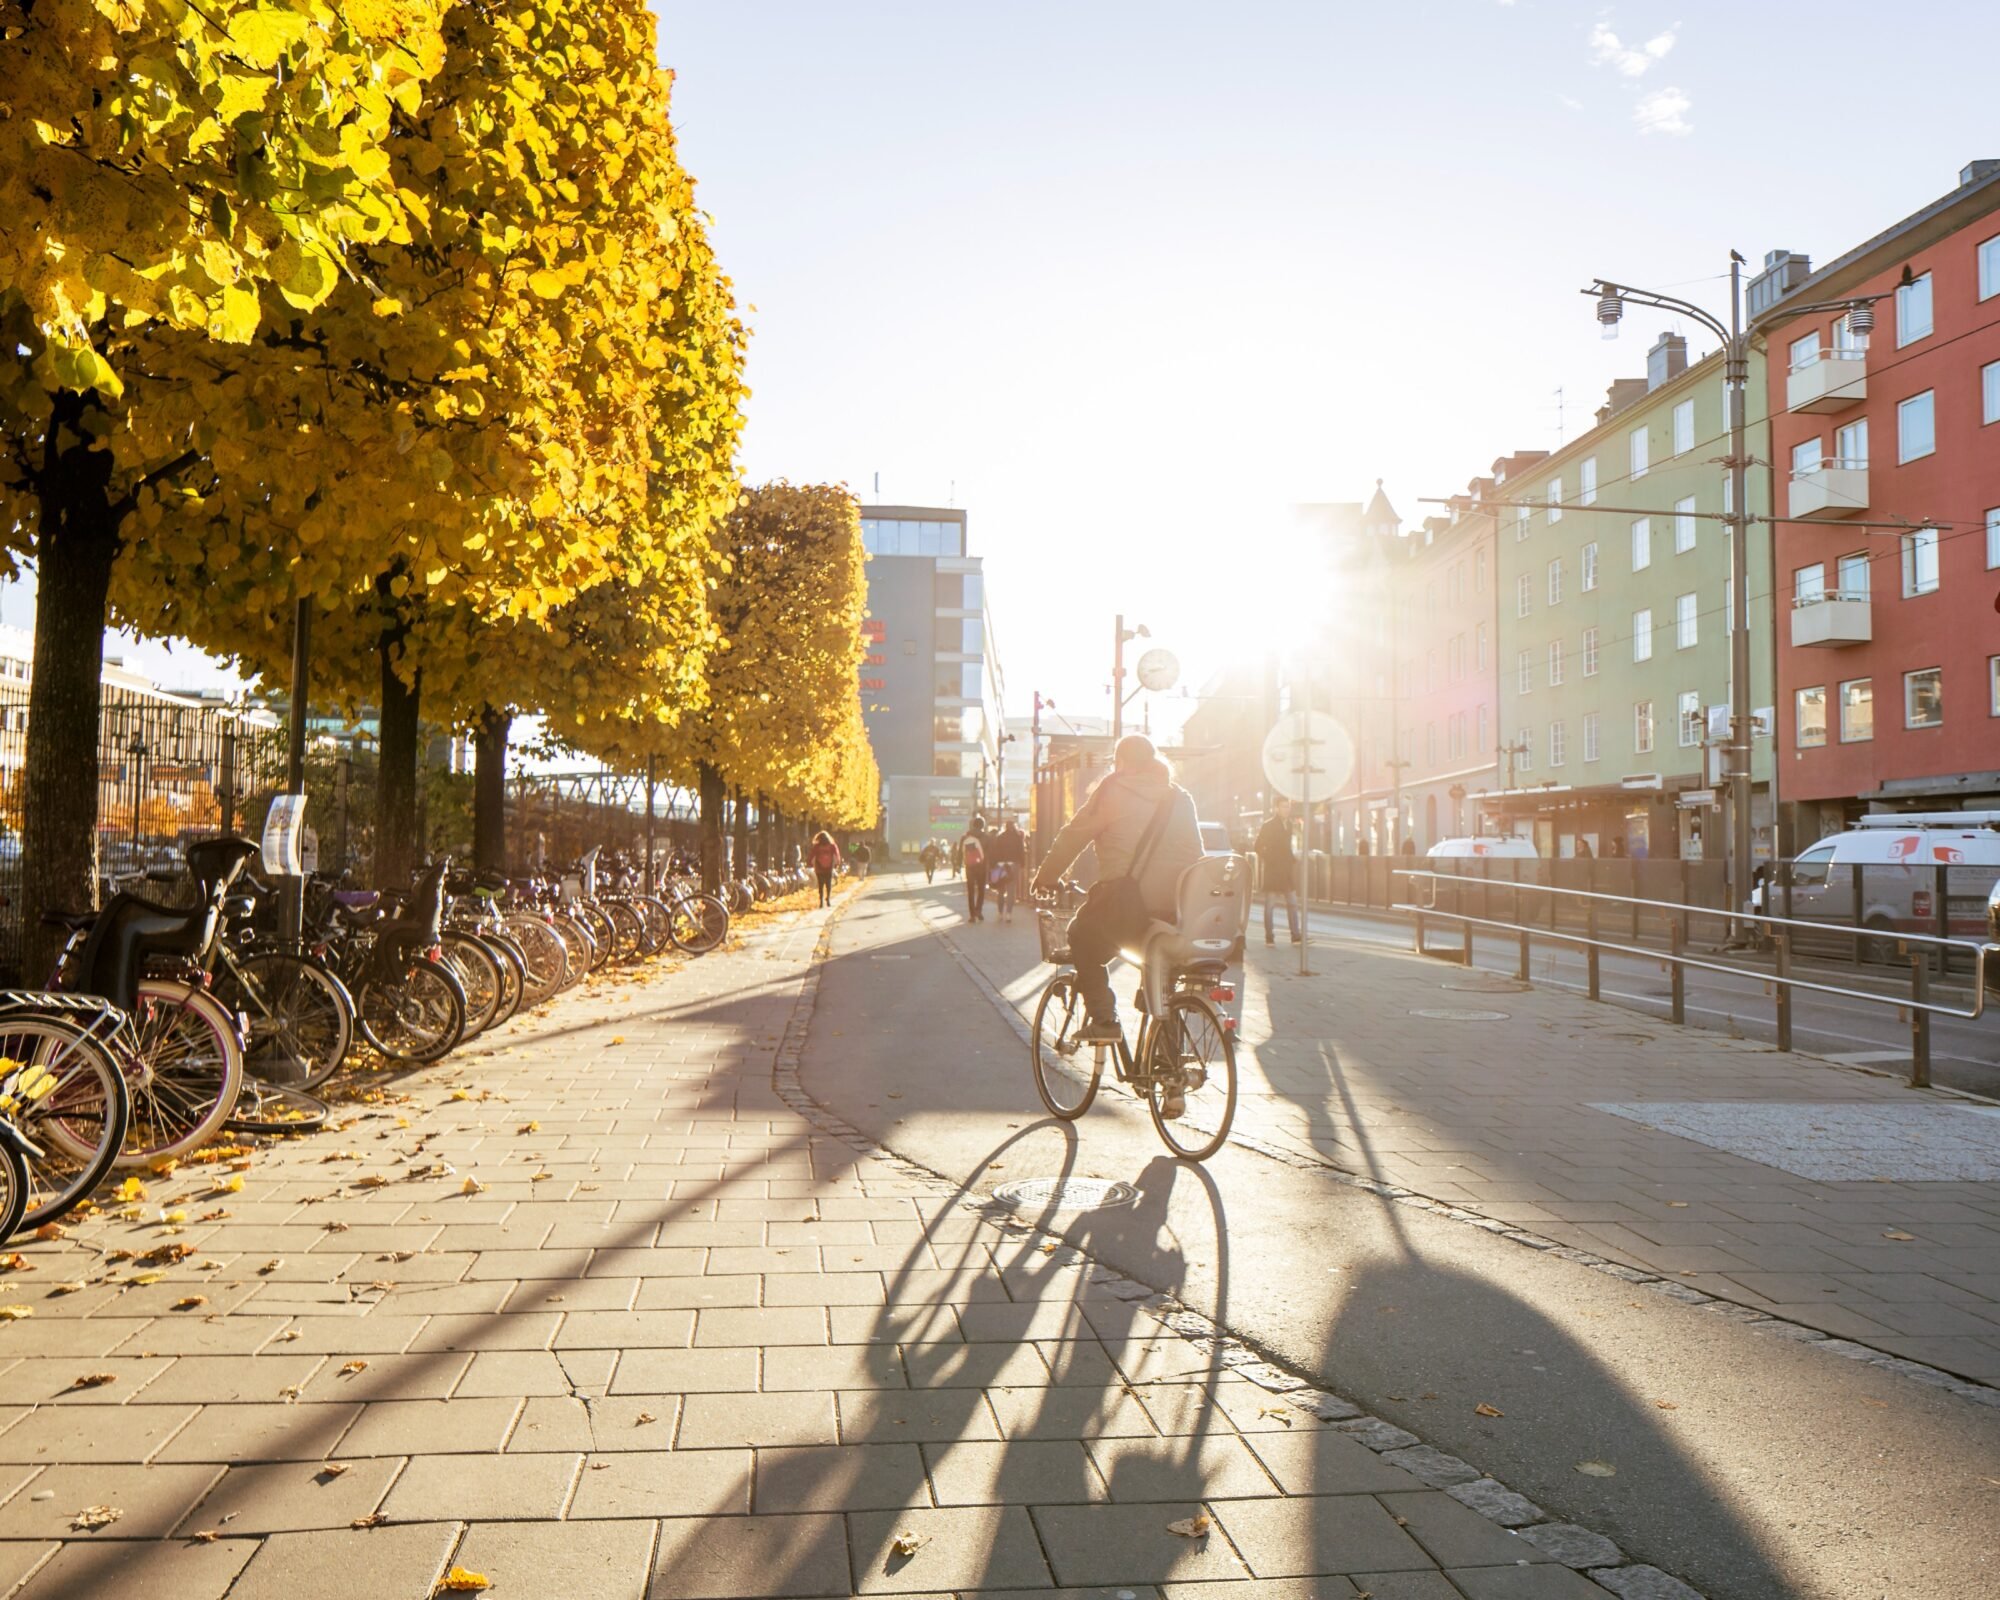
x=190, y=1072
x=415, y=1013
x=579, y=949
x=513, y=974
x=1190, y=1050
x=700, y=922
x=273, y=1108
x=629, y=930
x=14, y=1182
x=604, y=937
x=544, y=955
x=478, y=972
x=79, y=1124
x=656, y=924
x=1066, y=1070
x=300, y=1017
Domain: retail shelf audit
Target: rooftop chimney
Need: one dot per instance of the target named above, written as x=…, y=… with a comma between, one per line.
x=1783, y=272
x=1977, y=172
x=1622, y=393
x=1667, y=360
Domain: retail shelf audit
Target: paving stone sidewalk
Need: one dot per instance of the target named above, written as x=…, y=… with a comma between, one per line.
x=1675, y=1151
x=593, y=1311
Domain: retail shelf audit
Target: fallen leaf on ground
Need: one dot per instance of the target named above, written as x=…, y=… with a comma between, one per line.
x=288, y=1336
x=374, y=1519
x=165, y=1255
x=1194, y=1527
x=907, y=1544
x=336, y=1227
x=643, y=1418
x=374, y=1180
x=1666, y=1405
x=1678, y=1205
x=1280, y=1412
x=188, y=1302
x=131, y=1189
x=64, y=1288
x=91, y=1518
x=1597, y=1469
x=147, y=1277
x=51, y=1230
x=332, y=1469
x=352, y=1367
x=270, y=1266
x=16, y=1263
x=472, y=1186
x=463, y=1580
x=16, y=1313
x=228, y=1186
x=205, y=1535
x=93, y=1380
x=1484, y=1410
x=1898, y=1234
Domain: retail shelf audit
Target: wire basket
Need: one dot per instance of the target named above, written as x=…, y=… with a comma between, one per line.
x=1053, y=926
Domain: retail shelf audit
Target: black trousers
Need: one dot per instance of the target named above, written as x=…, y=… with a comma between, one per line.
x=1094, y=938
x=975, y=891
x=825, y=876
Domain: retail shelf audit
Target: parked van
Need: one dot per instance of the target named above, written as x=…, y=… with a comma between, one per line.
x=1900, y=856
x=1488, y=846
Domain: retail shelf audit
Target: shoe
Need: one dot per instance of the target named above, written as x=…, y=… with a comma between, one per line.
x=1102, y=1030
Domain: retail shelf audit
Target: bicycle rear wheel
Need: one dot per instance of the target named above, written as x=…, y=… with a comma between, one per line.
x=543, y=954
x=79, y=1124
x=273, y=1108
x=415, y=1013
x=301, y=1020
x=656, y=924
x=1192, y=1052
x=629, y=929
x=513, y=974
x=699, y=923
x=191, y=1065
x=478, y=972
x=604, y=937
x=1066, y=1070
x=14, y=1182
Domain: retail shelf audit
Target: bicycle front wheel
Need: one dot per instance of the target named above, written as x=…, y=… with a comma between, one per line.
x=699, y=923
x=415, y=1014
x=301, y=1021
x=13, y=1190
x=478, y=972
x=1193, y=1055
x=543, y=954
x=79, y=1124
x=1066, y=1069
x=190, y=1072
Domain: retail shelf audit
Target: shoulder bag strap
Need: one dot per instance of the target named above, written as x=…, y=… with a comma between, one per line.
x=1151, y=836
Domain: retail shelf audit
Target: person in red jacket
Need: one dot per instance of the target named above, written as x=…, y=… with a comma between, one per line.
x=824, y=857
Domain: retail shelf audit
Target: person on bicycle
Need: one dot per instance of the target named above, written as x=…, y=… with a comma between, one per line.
x=1138, y=818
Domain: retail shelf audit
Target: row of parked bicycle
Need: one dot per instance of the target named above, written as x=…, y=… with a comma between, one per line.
x=165, y=1025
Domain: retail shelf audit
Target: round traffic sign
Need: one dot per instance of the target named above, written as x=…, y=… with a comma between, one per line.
x=1308, y=756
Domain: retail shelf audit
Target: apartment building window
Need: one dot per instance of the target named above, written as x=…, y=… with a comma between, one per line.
x=1555, y=501
x=1687, y=622
x=1809, y=584
x=1524, y=595
x=1993, y=686
x=1806, y=457
x=1805, y=352
x=1992, y=537
x=1642, y=728
x=1454, y=657
x=1989, y=393
x=1640, y=449
x=1479, y=572
x=1524, y=673
x=1590, y=736
x=1989, y=268
x=1857, y=710
x=1555, y=661
x=1683, y=427
x=1483, y=730
x=1913, y=310
x=1556, y=581
x=1684, y=526
x=1558, y=744
x=1852, y=576
x=1923, y=698
x=1642, y=544
x=1479, y=647
x=1850, y=445
x=1590, y=566
x=1524, y=758
x=1920, y=562
x=1689, y=720
x=1642, y=635
x=1521, y=515
x=1916, y=427
x=1590, y=652
x=1809, y=721
x=1430, y=670
x=1587, y=485
x=1430, y=744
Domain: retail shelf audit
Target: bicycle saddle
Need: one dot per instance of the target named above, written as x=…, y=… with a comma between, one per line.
x=356, y=899
x=72, y=920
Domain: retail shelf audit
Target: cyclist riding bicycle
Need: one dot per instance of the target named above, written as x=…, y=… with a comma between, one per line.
x=1147, y=832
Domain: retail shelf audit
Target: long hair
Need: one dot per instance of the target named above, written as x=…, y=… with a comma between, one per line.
x=822, y=837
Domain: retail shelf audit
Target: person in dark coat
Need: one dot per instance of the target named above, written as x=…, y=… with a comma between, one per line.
x=975, y=870
x=1007, y=865
x=1280, y=870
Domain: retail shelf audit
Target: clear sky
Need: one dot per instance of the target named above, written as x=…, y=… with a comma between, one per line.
x=1123, y=277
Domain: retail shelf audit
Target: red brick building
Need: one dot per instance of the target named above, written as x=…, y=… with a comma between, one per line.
x=1886, y=460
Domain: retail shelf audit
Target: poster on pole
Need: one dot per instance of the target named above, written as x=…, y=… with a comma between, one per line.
x=284, y=824
x=1308, y=756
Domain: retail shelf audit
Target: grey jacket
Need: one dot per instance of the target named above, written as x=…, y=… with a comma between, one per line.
x=1114, y=818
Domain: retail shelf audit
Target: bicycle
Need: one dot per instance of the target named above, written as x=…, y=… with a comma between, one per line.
x=1185, y=1047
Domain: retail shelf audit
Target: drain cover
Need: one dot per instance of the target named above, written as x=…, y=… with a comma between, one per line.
x=1065, y=1194
x=1460, y=1014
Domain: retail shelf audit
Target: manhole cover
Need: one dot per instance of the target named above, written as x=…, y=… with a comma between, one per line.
x=1065, y=1194
x=1460, y=1014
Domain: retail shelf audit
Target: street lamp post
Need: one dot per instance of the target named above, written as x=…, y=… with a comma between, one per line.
x=138, y=752
x=1121, y=636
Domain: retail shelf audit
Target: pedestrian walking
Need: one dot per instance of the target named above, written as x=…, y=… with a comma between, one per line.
x=824, y=857
x=863, y=858
x=974, y=853
x=929, y=857
x=1008, y=853
x=1280, y=870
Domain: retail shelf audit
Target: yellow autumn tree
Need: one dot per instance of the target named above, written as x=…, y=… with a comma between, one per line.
x=165, y=168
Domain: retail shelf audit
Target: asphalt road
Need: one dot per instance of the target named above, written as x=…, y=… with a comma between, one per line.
x=1965, y=1054
x=1751, y=1466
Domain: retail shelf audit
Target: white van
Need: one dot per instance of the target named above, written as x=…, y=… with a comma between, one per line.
x=1900, y=854
x=1487, y=846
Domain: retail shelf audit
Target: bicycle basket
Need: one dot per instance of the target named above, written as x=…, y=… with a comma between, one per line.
x=1054, y=929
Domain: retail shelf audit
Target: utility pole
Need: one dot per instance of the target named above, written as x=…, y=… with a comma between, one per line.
x=1121, y=636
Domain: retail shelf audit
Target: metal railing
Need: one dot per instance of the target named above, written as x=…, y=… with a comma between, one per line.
x=1780, y=979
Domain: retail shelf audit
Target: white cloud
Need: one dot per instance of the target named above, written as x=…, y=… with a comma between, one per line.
x=1607, y=49
x=1663, y=111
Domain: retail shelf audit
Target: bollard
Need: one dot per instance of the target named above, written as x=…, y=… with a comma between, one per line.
x=1523, y=974
x=1784, y=988
x=1920, y=1021
x=1590, y=967
x=1420, y=935
x=1677, y=974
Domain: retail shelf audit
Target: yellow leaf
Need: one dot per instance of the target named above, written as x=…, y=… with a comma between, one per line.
x=472, y=1186
x=549, y=285
x=16, y=1313
x=228, y=1186
x=1194, y=1527
x=131, y=1189
x=189, y=1302
x=1485, y=1410
x=462, y=1580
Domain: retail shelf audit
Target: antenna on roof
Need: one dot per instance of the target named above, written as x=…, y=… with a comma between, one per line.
x=1559, y=417
x=878, y=486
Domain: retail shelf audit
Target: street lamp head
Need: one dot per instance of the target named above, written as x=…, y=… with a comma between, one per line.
x=1610, y=311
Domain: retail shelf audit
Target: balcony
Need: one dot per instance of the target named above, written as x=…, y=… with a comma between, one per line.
x=1832, y=619
x=1835, y=488
x=1833, y=380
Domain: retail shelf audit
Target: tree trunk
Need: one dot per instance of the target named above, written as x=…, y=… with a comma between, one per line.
x=396, y=782
x=714, y=798
x=78, y=544
x=489, y=790
x=742, y=834
x=767, y=834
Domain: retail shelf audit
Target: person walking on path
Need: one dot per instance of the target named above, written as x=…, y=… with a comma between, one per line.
x=824, y=856
x=1147, y=833
x=1009, y=859
x=1280, y=869
x=863, y=856
x=929, y=857
x=975, y=870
